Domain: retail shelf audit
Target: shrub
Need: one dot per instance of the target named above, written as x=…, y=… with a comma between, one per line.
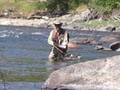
x=104, y=7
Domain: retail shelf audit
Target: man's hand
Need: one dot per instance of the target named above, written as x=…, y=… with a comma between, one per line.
x=55, y=44
x=62, y=46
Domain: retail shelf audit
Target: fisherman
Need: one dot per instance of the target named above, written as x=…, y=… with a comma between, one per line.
x=59, y=39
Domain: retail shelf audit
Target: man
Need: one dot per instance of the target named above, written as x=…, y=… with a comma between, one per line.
x=59, y=39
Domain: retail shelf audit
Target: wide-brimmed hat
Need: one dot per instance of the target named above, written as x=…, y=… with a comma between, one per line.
x=57, y=23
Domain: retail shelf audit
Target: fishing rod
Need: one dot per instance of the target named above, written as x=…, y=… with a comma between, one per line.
x=59, y=49
x=2, y=75
x=65, y=53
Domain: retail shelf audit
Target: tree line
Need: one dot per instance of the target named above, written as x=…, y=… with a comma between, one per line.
x=61, y=7
x=102, y=7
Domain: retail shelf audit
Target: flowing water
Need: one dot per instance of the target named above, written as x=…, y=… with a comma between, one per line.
x=24, y=52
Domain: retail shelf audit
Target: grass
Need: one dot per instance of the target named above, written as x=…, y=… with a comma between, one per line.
x=26, y=7
x=7, y=1
x=20, y=7
x=99, y=24
x=79, y=9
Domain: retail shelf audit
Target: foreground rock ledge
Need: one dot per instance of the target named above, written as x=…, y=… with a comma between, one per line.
x=102, y=74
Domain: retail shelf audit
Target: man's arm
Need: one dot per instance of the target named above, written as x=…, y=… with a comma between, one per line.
x=50, y=41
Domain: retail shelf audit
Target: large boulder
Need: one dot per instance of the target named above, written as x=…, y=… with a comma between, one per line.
x=115, y=46
x=82, y=16
x=101, y=74
x=109, y=28
x=108, y=39
x=84, y=40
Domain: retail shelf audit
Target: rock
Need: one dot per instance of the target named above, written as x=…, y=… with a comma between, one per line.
x=72, y=46
x=100, y=74
x=66, y=18
x=45, y=17
x=108, y=39
x=110, y=28
x=116, y=15
x=45, y=25
x=85, y=28
x=115, y=46
x=99, y=47
x=82, y=16
x=77, y=18
x=78, y=27
x=85, y=40
x=85, y=14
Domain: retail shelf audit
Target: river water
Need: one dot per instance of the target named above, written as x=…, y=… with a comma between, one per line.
x=24, y=52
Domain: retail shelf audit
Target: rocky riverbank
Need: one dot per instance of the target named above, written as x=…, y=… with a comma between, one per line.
x=100, y=74
x=78, y=21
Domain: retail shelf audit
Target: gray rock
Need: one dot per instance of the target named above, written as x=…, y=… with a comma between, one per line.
x=115, y=45
x=110, y=28
x=85, y=40
x=99, y=47
x=85, y=14
x=77, y=18
x=100, y=74
x=108, y=39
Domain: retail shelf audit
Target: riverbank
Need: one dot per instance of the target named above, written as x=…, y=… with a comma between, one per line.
x=69, y=22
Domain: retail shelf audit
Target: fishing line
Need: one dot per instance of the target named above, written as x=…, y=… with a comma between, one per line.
x=2, y=75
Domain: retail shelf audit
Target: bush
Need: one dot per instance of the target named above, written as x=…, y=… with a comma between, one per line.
x=60, y=7
x=57, y=6
x=104, y=7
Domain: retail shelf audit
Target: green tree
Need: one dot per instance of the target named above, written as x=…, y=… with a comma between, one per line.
x=59, y=6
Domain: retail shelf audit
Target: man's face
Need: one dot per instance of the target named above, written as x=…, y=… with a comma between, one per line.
x=58, y=27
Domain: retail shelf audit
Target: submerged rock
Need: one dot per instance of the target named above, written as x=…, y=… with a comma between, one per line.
x=115, y=46
x=103, y=74
x=85, y=40
x=108, y=39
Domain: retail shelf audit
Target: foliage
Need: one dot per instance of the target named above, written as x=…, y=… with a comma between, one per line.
x=41, y=5
x=8, y=1
x=25, y=7
x=104, y=7
x=57, y=5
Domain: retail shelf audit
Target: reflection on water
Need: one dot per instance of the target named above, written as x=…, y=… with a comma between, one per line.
x=24, y=52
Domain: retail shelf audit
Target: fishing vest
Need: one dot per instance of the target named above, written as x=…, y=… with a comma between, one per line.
x=58, y=37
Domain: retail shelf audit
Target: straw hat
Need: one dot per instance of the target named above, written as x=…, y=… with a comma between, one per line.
x=57, y=22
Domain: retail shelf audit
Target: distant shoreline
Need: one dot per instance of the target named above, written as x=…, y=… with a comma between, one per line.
x=21, y=22
x=48, y=23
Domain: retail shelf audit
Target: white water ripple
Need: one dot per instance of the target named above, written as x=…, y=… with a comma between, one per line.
x=6, y=33
x=39, y=33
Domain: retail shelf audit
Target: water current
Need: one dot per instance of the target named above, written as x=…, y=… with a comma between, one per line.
x=24, y=54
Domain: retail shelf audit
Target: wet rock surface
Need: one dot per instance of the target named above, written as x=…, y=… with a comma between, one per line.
x=99, y=74
x=108, y=39
x=84, y=40
x=115, y=45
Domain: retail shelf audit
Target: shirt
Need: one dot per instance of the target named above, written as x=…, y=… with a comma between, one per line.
x=63, y=38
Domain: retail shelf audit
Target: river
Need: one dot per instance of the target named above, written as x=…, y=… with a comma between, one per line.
x=24, y=52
